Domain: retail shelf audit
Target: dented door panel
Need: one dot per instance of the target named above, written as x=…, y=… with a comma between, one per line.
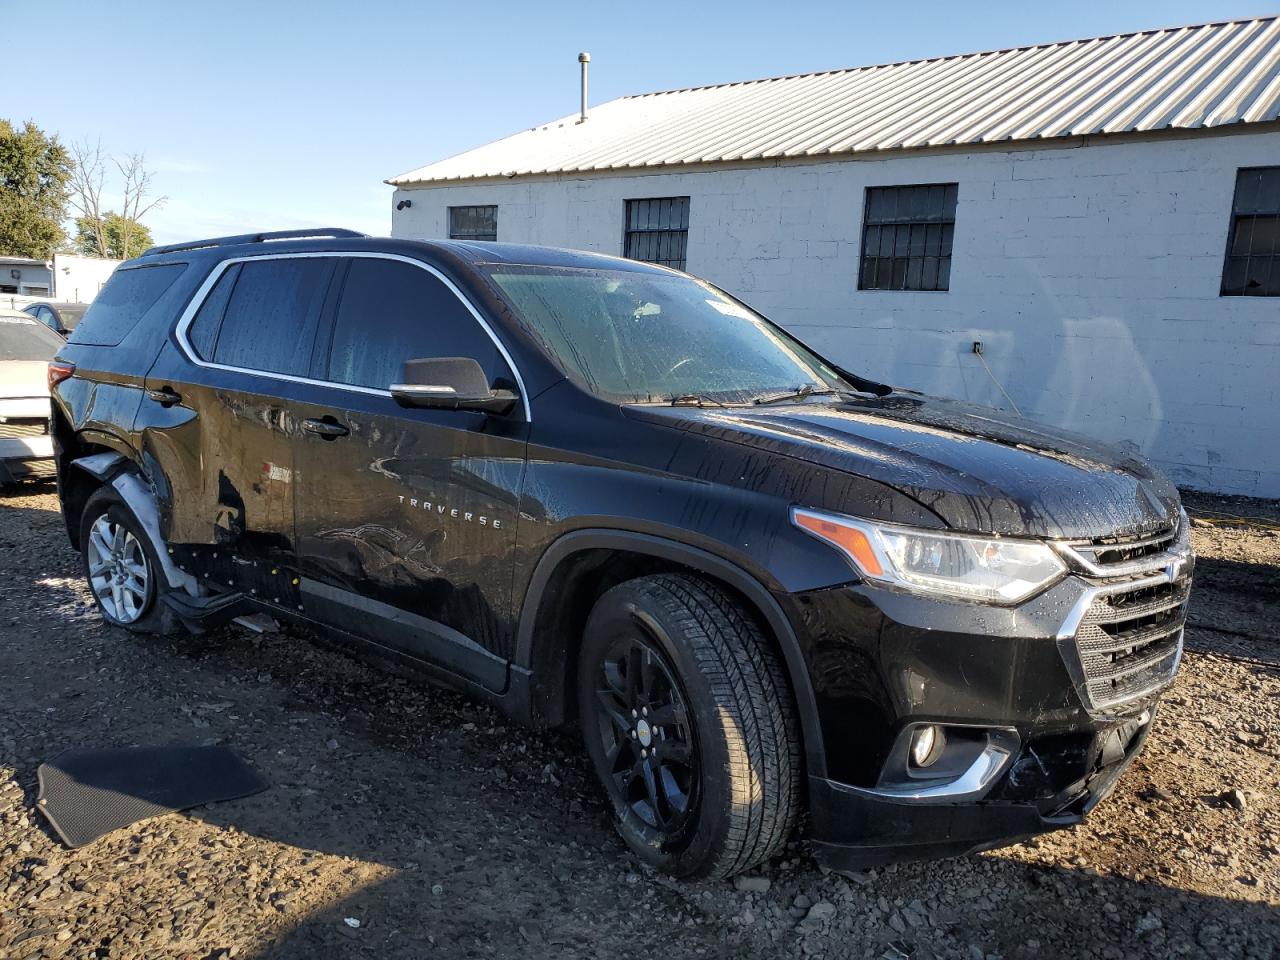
x=224, y=460
x=416, y=510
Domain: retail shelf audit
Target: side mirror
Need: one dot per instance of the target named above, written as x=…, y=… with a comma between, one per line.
x=449, y=383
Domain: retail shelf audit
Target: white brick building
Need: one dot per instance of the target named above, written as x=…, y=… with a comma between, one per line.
x=1095, y=197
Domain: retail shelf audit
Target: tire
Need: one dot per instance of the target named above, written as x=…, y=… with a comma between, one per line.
x=106, y=517
x=676, y=678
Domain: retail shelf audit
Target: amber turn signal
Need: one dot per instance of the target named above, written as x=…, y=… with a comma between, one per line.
x=849, y=539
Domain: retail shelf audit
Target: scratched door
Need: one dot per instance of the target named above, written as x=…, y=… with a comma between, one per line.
x=407, y=517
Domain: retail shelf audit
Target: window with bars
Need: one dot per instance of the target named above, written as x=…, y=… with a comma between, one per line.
x=906, y=237
x=657, y=231
x=473, y=223
x=1252, y=268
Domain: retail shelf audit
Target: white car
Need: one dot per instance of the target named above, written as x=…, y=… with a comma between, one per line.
x=26, y=347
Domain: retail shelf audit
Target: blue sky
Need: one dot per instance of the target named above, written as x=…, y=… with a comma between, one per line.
x=266, y=115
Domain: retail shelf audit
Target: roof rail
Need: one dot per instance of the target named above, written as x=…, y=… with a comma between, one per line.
x=253, y=238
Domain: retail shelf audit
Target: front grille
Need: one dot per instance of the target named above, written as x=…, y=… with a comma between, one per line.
x=1111, y=556
x=23, y=427
x=1123, y=640
x=1130, y=639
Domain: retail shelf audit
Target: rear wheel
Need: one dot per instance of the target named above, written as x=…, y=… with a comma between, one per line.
x=122, y=571
x=689, y=722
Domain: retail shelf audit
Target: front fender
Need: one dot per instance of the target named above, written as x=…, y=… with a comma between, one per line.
x=717, y=568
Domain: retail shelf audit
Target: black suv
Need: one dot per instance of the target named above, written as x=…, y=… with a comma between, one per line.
x=599, y=491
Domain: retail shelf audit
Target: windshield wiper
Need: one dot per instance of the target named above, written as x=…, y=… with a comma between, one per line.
x=800, y=393
x=695, y=400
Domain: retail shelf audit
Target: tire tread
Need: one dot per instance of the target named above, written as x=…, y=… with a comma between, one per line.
x=752, y=692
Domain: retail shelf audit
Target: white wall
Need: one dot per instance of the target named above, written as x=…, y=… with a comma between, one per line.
x=80, y=278
x=1090, y=273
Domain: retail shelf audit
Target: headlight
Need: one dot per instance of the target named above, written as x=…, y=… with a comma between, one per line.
x=989, y=569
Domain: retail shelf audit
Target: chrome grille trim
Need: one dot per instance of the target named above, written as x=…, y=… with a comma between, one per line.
x=1167, y=547
x=1113, y=656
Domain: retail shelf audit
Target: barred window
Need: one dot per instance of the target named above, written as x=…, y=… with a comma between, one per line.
x=657, y=231
x=906, y=237
x=473, y=223
x=1252, y=268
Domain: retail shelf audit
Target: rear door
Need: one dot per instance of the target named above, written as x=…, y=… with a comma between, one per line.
x=407, y=517
x=221, y=421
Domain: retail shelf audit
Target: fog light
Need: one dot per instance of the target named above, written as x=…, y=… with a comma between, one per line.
x=927, y=743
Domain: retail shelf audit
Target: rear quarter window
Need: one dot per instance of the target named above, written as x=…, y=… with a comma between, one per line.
x=125, y=299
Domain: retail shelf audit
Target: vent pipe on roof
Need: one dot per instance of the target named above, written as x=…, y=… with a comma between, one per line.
x=584, y=58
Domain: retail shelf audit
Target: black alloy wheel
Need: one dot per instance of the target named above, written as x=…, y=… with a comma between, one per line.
x=644, y=729
x=689, y=720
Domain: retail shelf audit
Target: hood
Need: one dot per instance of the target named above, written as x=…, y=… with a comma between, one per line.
x=977, y=468
x=24, y=378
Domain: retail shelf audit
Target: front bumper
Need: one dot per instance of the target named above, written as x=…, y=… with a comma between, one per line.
x=26, y=458
x=1060, y=689
x=1052, y=783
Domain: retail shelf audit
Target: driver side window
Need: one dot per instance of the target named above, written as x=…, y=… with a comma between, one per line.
x=393, y=311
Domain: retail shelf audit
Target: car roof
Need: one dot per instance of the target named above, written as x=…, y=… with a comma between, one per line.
x=473, y=253
x=17, y=315
x=59, y=305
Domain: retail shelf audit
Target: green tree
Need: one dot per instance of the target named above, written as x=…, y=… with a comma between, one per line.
x=34, y=172
x=118, y=237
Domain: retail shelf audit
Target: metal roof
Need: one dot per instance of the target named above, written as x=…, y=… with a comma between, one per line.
x=1210, y=75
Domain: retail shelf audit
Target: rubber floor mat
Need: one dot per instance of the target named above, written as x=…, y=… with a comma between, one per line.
x=85, y=794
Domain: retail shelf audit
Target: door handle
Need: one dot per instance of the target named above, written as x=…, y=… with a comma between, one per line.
x=327, y=429
x=165, y=396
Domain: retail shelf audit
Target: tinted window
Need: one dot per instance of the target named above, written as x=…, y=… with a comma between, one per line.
x=203, y=332
x=392, y=312
x=119, y=305
x=272, y=313
x=27, y=340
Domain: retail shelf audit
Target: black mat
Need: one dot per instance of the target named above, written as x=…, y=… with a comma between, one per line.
x=86, y=794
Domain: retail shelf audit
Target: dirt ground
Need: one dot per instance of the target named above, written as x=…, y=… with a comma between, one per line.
x=446, y=832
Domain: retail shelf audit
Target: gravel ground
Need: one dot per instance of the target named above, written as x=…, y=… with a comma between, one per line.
x=444, y=831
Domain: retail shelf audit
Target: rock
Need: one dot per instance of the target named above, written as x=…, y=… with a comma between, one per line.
x=1234, y=798
x=752, y=884
x=1147, y=922
x=822, y=910
x=437, y=889
x=351, y=922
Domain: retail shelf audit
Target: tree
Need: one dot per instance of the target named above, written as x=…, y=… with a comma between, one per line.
x=34, y=172
x=112, y=236
x=87, y=184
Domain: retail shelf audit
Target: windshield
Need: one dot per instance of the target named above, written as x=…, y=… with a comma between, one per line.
x=643, y=337
x=27, y=339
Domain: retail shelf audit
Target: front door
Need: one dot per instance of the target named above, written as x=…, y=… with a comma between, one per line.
x=407, y=517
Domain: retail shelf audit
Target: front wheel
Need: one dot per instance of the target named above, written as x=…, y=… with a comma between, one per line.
x=122, y=571
x=689, y=723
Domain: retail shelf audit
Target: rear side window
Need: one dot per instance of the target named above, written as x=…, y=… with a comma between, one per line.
x=125, y=299
x=203, y=332
x=392, y=312
x=269, y=311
